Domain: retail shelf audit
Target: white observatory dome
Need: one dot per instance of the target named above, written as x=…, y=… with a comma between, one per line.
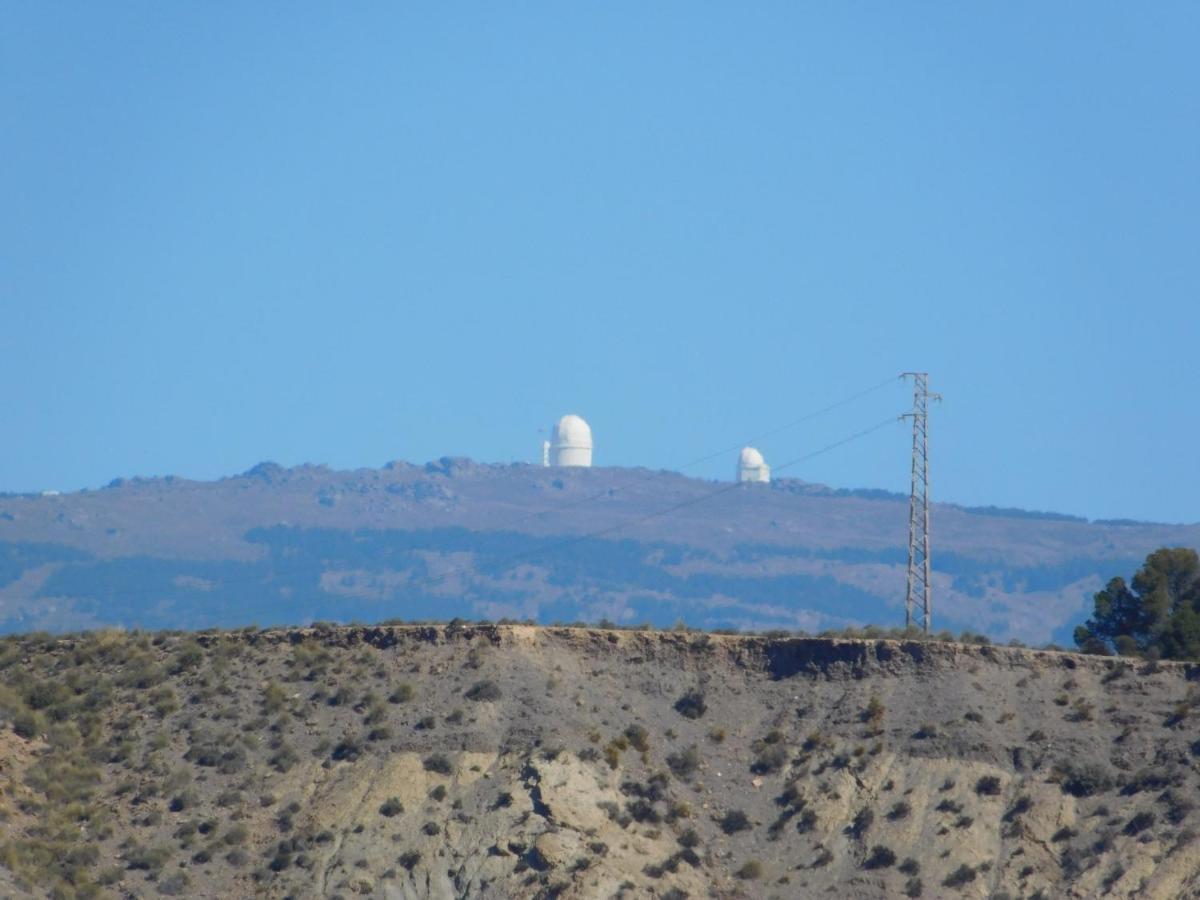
x=752, y=468
x=571, y=444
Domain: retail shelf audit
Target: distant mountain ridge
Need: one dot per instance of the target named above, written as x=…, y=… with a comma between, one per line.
x=458, y=538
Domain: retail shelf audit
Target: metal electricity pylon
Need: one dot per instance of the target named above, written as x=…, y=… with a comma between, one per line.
x=920, y=583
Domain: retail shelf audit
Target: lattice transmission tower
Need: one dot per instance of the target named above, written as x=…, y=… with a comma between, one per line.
x=920, y=582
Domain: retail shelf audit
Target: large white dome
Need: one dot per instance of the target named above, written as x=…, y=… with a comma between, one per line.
x=572, y=431
x=572, y=442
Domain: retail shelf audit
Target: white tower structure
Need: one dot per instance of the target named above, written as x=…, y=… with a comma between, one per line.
x=571, y=443
x=752, y=468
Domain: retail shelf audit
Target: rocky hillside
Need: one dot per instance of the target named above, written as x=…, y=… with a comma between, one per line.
x=511, y=761
x=457, y=538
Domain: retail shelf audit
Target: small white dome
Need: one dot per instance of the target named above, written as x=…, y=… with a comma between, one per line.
x=750, y=457
x=752, y=468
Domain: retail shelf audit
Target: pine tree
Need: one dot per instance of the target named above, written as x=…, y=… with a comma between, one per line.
x=1157, y=616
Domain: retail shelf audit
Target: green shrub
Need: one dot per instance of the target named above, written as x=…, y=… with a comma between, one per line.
x=771, y=754
x=438, y=763
x=734, y=821
x=476, y=657
x=374, y=709
x=1082, y=780
x=685, y=762
x=638, y=737
x=484, y=692
x=691, y=705
x=348, y=749
x=283, y=758
x=147, y=859
x=28, y=724
x=1115, y=671
x=750, y=871
x=391, y=807
x=163, y=701
x=1178, y=808
x=806, y=822
x=873, y=714
x=1081, y=711
x=881, y=857
x=182, y=801
x=963, y=875
x=285, y=820
x=341, y=697
x=274, y=698
x=987, y=786
x=1140, y=822
x=187, y=657
x=47, y=694
x=141, y=674
x=862, y=823
x=175, y=885
x=1153, y=779
x=219, y=751
x=402, y=693
x=791, y=796
x=1113, y=876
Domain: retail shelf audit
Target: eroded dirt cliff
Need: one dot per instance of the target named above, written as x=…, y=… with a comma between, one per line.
x=513, y=761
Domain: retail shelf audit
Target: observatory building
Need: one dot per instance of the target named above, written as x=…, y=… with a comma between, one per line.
x=751, y=467
x=570, y=445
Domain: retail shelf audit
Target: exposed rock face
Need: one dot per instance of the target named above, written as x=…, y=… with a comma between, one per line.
x=350, y=762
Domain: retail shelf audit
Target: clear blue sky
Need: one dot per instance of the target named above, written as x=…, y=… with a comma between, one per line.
x=349, y=234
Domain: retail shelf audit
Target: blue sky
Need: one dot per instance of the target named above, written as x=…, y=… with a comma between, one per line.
x=355, y=234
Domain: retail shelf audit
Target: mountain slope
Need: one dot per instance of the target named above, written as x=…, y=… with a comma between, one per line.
x=455, y=538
